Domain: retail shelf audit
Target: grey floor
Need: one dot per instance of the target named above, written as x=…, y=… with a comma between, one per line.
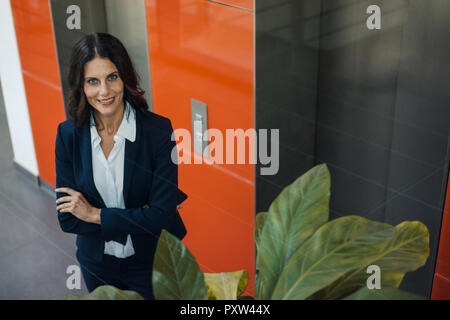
x=34, y=252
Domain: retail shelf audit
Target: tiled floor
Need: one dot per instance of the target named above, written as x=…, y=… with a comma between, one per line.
x=34, y=252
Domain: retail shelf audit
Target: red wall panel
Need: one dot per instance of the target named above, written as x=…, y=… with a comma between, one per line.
x=35, y=40
x=46, y=111
x=39, y=62
x=204, y=50
x=441, y=284
x=245, y=4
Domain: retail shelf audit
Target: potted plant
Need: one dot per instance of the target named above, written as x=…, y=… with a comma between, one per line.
x=301, y=254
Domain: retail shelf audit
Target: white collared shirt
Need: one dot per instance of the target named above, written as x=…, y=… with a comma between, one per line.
x=108, y=173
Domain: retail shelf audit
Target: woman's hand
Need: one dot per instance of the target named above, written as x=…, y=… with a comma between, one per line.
x=77, y=205
x=178, y=206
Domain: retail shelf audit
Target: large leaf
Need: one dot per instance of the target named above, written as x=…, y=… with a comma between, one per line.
x=176, y=274
x=388, y=293
x=298, y=211
x=260, y=219
x=339, y=246
x=226, y=285
x=107, y=293
x=407, y=251
x=259, y=224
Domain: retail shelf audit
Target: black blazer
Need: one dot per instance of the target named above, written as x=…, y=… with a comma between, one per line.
x=150, y=177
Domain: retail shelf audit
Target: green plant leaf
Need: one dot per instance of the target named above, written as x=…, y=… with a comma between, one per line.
x=407, y=251
x=298, y=211
x=226, y=285
x=176, y=274
x=337, y=247
x=108, y=293
x=388, y=293
x=260, y=219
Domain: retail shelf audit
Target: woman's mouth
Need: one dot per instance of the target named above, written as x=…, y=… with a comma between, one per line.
x=106, y=102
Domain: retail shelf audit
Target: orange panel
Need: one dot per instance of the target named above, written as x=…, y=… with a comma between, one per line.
x=33, y=25
x=441, y=288
x=219, y=215
x=246, y=4
x=34, y=32
x=46, y=110
x=204, y=50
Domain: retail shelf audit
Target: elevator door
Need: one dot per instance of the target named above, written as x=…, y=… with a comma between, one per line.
x=125, y=20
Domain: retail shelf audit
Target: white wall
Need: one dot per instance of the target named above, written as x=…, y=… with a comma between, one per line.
x=14, y=93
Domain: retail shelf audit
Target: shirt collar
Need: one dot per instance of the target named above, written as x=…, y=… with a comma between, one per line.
x=127, y=128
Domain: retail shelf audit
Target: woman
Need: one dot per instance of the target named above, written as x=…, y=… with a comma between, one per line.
x=115, y=178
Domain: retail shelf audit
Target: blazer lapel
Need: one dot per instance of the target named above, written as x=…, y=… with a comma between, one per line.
x=131, y=156
x=86, y=160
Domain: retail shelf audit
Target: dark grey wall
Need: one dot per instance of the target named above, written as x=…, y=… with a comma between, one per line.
x=418, y=164
x=372, y=104
x=286, y=87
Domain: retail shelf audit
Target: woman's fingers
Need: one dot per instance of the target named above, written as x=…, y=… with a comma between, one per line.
x=146, y=206
x=64, y=206
x=64, y=199
x=66, y=190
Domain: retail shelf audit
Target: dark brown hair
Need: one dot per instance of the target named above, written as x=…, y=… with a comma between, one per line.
x=105, y=46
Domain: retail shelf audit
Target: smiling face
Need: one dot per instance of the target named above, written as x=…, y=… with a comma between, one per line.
x=103, y=87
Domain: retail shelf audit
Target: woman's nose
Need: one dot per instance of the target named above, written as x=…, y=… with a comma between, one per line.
x=104, y=89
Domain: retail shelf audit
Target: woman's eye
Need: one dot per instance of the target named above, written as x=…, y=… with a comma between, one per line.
x=112, y=77
x=92, y=81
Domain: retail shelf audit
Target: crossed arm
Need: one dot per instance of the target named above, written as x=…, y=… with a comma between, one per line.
x=77, y=215
x=65, y=178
